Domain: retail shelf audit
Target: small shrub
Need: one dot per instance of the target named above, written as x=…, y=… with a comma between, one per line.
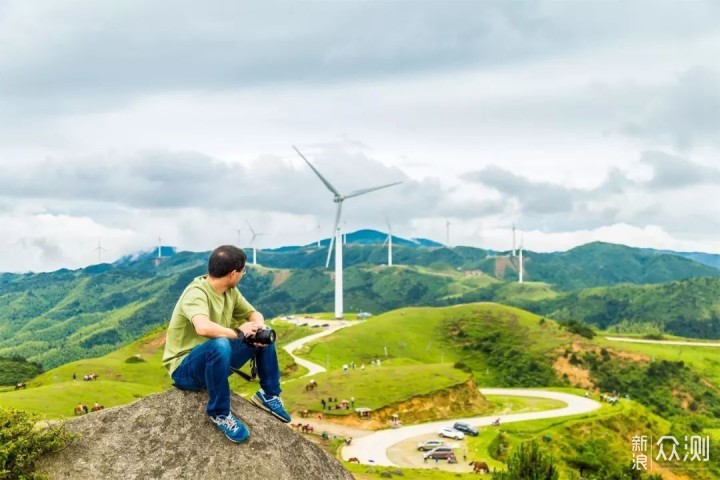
x=21, y=444
x=135, y=359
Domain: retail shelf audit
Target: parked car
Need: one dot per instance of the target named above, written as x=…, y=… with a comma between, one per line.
x=430, y=444
x=441, y=453
x=451, y=433
x=466, y=428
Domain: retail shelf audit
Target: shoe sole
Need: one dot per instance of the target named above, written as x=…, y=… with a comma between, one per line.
x=259, y=404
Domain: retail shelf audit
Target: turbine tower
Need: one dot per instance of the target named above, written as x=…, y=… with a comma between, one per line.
x=159, y=248
x=252, y=241
x=388, y=240
x=338, y=199
x=520, y=263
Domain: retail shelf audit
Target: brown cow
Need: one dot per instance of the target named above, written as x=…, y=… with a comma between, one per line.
x=480, y=467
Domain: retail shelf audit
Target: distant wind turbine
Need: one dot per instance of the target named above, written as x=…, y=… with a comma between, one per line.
x=447, y=233
x=513, y=231
x=159, y=247
x=338, y=199
x=99, y=249
x=252, y=241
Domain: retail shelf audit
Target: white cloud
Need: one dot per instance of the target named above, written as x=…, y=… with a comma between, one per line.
x=578, y=122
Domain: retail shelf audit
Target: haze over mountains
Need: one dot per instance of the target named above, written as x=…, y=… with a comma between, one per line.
x=56, y=317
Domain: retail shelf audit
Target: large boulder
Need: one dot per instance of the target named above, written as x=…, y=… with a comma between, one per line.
x=169, y=436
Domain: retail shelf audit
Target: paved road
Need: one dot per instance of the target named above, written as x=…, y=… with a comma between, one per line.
x=314, y=368
x=372, y=449
x=663, y=342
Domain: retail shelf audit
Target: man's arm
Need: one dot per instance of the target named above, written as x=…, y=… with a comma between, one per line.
x=258, y=319
x=207, y=328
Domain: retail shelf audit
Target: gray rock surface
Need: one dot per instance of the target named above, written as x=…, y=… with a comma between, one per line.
x=168, y=436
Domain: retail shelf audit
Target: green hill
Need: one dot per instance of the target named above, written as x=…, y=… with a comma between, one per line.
x=55, y=318
x=688, y=308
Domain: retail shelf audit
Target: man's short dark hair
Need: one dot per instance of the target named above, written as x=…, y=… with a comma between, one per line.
x=224, y=259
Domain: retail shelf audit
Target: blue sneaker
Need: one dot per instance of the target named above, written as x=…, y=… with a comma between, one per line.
x=233, y=428
x=273, y=405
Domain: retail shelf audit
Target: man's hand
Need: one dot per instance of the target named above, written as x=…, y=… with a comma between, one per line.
x=248, y=329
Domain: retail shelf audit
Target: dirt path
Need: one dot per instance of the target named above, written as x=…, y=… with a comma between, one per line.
x=314, y=368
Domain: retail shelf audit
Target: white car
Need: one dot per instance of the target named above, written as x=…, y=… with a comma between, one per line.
x=450, y=432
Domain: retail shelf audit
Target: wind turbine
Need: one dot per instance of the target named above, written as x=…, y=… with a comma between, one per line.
x=252, y=241
x=339, y=199
x=99, y=249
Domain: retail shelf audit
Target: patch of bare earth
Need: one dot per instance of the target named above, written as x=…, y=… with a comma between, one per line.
x=501, y=263
x=463, y=399
x=576, y=374
x=280, y=276
x=153, y=345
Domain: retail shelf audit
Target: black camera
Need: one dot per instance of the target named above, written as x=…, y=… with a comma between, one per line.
x=261, y=337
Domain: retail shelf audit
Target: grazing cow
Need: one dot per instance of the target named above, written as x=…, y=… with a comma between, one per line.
x=354, y=459
x=311, y=385
x=480, y=467
x=307, y=428
x=20, y=385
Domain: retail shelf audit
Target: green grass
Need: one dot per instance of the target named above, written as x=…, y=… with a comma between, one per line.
x=704, y=360
x=58, y=400
x=54, y=394
x=505, y=404
x=365, y=472
x=375, y=387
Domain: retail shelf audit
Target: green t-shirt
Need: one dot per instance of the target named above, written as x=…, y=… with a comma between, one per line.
x=199, y=298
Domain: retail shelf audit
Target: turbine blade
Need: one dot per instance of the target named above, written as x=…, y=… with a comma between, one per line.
x=368, y=190
x=251, y=229
x=332, y=239
x=327, y=184
x=330, y=247
x=386, y=240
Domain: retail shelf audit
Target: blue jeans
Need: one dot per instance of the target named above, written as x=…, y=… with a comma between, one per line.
x=207, y=366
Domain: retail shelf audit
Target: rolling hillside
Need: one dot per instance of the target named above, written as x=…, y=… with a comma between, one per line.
x=53, y=318
x=689, y=308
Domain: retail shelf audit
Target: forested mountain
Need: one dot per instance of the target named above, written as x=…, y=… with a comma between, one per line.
x=52, y=318
x=689, y=308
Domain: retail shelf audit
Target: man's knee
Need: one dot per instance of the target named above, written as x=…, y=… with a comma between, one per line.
x=220, y=346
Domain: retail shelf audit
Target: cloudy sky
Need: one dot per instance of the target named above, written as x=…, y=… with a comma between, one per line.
x=125, y=122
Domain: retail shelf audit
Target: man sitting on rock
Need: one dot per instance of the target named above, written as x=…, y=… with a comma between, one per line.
x=205, y=339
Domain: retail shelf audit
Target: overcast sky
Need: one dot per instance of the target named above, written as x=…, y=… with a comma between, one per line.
x=125, y=122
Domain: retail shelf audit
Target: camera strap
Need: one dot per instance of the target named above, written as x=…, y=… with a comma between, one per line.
x=253, y=371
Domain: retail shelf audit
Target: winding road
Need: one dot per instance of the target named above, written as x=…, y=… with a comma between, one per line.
x=663, y=342
x=372, y=448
